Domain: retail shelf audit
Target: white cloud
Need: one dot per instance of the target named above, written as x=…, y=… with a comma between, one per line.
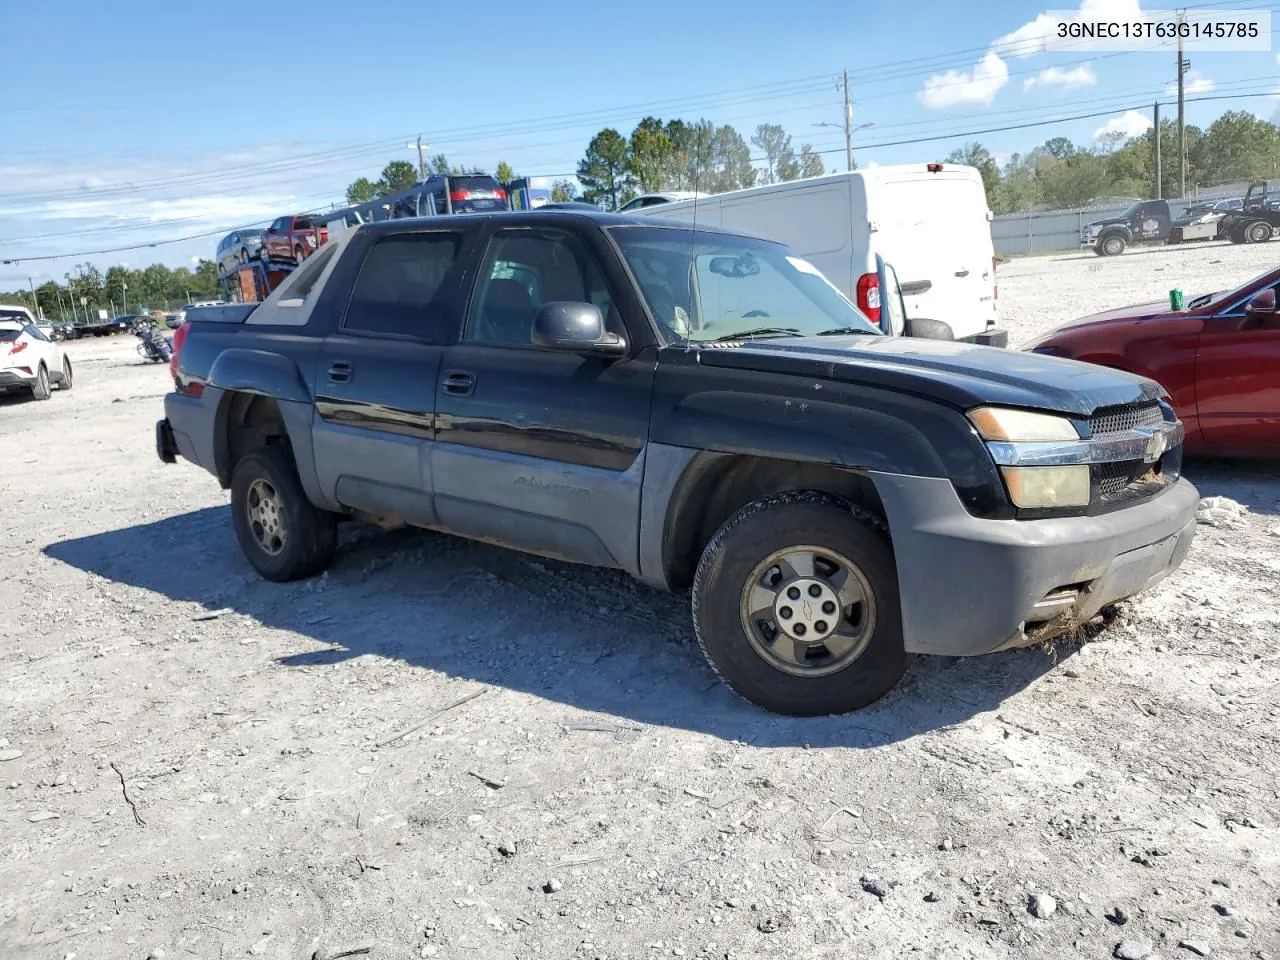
x=1193, y=82
x=1131, y=123
x=953, y=87
x=1032, y=37
x=1081, y=76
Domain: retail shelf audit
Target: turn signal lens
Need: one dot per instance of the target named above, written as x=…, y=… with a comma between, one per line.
x=1003, y=424
x=1043, y=487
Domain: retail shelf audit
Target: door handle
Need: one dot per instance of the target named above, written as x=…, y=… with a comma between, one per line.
x=340, y=371
x=962, y=273
x=460, y=383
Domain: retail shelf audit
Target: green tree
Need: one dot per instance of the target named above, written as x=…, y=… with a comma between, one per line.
x=1019, y=189
x=1059, y=148
x=603, y=172
x=440, y=164
x=504, y=173
x=976, y=155
x=85, y=281
x=361, y=191
x=650, y=155
x=1240, y=146
x=775, y=143
x=811, y=163
x=563, y=191
x=113, y=283
x=396, y=176
x=1073, y=182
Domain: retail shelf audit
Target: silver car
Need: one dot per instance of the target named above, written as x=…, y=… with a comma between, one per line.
x=238, y=248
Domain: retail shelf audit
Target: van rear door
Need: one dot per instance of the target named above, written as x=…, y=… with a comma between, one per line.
x=934, y=229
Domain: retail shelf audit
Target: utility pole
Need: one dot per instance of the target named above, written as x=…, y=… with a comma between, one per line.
x=1159, y=179
x=124, y=294
x=1183, y=66
x=848, y=125
x=34, y=302
x=422, y=156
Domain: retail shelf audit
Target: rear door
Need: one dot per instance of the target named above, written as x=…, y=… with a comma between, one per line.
x=543, y=449
x=1238, y=382
x=376, y=378
x=933, y=228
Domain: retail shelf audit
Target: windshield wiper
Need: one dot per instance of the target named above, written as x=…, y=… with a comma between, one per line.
x=759, y=333
x=1202, y=300
x=843, y=331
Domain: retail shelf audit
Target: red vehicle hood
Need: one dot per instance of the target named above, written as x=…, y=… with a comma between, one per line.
x=1135, y=312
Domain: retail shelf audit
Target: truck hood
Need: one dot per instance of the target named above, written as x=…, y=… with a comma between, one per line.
x=1110, y=221
x=960, y=374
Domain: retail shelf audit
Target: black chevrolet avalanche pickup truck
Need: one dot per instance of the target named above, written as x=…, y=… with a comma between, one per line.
x=700, y=409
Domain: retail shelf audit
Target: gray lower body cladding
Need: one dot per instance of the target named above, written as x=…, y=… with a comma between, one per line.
x=971, y=586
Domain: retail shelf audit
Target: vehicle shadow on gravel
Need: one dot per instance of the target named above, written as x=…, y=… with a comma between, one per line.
x=592, y=639
x=1254, y=483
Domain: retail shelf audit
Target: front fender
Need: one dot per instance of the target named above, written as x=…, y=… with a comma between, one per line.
x=240, y=370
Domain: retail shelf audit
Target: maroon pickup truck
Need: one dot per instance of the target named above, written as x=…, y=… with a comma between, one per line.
x=292, y=238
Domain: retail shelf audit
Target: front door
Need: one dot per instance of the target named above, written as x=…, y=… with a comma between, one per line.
x=1150, y=223
x=542, y=449
x=1238, y=382
x=376, y=374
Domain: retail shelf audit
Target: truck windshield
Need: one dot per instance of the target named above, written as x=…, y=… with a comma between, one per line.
x=709, y=286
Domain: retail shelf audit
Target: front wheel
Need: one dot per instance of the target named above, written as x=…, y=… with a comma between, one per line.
x=299, y=254
x=281, y=532
x=65, y=382
x=1113, y=246
x=795, y=605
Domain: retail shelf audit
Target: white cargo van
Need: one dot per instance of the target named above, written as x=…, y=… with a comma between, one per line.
x=929, y=221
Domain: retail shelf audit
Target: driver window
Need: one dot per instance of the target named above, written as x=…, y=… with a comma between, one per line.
x=524, y=269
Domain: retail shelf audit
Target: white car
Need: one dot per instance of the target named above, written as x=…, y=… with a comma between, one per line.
x=29, y=360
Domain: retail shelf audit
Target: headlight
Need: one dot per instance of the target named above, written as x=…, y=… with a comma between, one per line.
x=1006, y=424
x=1033, y=487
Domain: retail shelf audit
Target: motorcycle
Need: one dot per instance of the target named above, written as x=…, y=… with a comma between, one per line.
x=153, y=346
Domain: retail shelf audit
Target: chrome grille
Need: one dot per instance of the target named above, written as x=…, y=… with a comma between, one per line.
x=1108, y=420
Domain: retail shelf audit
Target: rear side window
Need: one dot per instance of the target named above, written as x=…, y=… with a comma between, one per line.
x=402, y=291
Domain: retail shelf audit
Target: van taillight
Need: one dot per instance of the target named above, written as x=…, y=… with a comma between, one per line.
x=868, y=296
x=500, y=194
x=995, y=286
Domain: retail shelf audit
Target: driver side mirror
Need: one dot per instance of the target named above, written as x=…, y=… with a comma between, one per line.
x=1262, y=308
x=576, y=328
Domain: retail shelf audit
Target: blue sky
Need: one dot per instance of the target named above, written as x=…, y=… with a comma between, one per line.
x=147, y=121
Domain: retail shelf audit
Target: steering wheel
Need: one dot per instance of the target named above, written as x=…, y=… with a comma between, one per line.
x=754, y=313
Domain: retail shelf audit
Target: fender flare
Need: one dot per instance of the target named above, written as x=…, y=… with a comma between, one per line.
x=259, y=372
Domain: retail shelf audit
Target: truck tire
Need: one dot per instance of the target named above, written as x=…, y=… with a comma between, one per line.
x=283, y=535
x=40, y=390
x=1258, y=232
x=1112, y=246
x=795, y=605
x=1236, y=234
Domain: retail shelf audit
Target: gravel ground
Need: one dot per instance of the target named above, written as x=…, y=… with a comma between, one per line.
x=441, y=749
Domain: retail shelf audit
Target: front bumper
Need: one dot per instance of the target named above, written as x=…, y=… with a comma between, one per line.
x=1088, y=242
x=971, y=586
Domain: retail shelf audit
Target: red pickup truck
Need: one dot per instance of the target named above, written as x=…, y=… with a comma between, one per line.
x=292, y=238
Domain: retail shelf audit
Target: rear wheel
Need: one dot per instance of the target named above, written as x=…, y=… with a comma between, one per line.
x=1112, y=246
x=1258, y=232
x=281, y=532
x=40, y=390
x=795, y=605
